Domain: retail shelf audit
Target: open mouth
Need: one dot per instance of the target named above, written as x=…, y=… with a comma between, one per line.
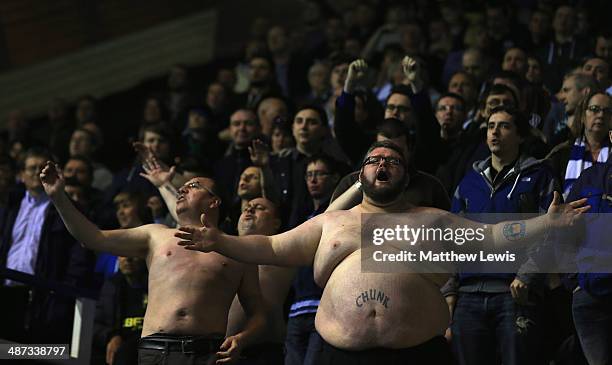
x=382, y=175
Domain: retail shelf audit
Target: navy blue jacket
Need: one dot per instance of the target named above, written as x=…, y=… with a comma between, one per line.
x=527, y=187
x=595, y=184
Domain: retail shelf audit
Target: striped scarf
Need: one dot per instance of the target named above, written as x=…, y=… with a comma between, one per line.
x=580, y=160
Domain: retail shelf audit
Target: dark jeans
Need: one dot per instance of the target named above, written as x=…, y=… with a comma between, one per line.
x=490, y=328
x=434, y=351
x=593, y=320
x=302, y=341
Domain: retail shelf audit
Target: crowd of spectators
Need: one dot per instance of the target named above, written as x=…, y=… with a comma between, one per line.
x=495, y=104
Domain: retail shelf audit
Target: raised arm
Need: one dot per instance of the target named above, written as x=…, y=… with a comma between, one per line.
x=296, y=247
x=160, y=176
x=122, y=242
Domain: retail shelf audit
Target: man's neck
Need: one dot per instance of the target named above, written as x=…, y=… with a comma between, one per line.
x=319, y=202
x=447, y=135
x=36, y=193
x=308, y=149
x=281, y=57
x=498, y=162
x=195, y=221
x=398, y=205
x=563, y=38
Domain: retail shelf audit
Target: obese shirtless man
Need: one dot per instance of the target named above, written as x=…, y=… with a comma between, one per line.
x=405, y=328
x=190, y=293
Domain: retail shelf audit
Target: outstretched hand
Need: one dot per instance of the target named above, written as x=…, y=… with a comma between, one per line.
x=198, y=238
x=52, y=179
x=156, y=171
x=561, y=215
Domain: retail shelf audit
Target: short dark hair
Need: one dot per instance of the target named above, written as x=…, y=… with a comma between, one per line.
x=497, y=89
x=399, y=89
x=85, y=160
x=518, y=118
x=318, y=109
x=160, y=128
x=332, y=165
x=451, y=95
x=36, y=152
x=394, y=128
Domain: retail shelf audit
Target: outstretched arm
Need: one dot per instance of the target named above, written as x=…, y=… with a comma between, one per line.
x=122, y=242
x=527, y=231
x=296, y=247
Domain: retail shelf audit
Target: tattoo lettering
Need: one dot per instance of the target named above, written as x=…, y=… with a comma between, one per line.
x=372, y=295
x=514, y=231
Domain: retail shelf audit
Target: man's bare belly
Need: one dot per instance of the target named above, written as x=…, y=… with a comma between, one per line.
x=364, y=310
x=190, y=292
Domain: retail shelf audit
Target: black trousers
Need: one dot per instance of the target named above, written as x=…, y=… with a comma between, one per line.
x=263, y=354
x=435, y=351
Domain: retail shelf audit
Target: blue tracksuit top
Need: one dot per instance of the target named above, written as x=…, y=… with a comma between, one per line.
x=595, y=184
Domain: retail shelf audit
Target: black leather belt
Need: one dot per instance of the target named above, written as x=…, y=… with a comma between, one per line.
x=184, y=344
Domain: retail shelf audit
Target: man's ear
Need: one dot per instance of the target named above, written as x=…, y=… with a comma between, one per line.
x=610, y=135
x=586, y=91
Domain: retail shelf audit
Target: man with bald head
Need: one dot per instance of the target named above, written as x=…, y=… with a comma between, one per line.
x=244, y=128
x=189, y=294
x=408, y=325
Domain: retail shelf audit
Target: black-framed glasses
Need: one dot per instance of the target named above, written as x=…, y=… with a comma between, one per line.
x=375, y=160
x=596, y=109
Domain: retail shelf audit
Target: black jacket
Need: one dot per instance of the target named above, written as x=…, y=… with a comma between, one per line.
x=60, y=258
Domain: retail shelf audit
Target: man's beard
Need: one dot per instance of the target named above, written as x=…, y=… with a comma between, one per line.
x=382, y=194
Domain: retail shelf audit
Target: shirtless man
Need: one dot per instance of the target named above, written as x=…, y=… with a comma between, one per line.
x=408, y=327
x=261, y=216
x=189, y=293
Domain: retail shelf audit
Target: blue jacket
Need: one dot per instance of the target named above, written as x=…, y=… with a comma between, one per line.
x=527, y=187
x=595, y=184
